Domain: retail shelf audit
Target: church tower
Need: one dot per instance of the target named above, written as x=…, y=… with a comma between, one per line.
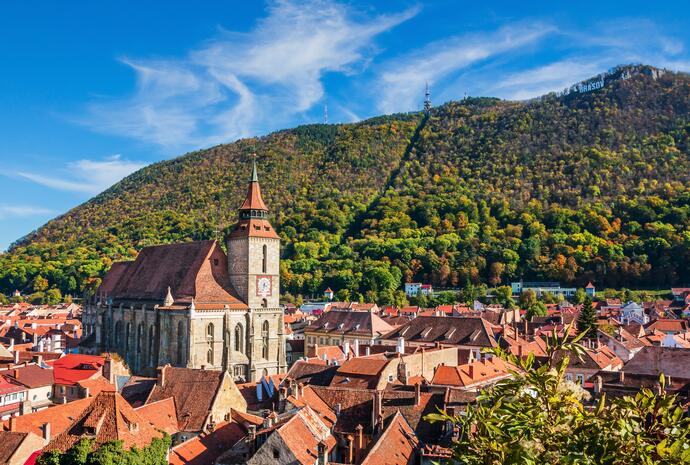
x=254, y=252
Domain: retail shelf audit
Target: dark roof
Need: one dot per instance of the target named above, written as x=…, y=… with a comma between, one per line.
x=196, y=270
x=656, y=360
x=137, y=389
x=315, y=374
x=194, y=392
x=349, y=322
x=9, y=442
x=110, y=280
x=470, y=331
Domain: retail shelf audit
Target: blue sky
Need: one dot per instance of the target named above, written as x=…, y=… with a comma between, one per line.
x=91, y=91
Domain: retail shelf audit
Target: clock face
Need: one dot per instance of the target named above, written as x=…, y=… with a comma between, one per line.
x=263, y=286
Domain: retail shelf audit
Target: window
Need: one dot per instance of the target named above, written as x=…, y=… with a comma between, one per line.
x=568, y=376
x=215, y=262
x=239, y=338
x=276, y=453
x=150, y=354
x=118, y=334
x=140, y=337
x=264, y=303
x=180, y=342
x=390, y=378
x=264, y=339
x=580, y=378
x=209, y=341
x=264, y=259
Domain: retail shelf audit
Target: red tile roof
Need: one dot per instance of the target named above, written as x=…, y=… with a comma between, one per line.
x=107, y=418
x=60, y=418
x=196, y=270
x=396, y=445
x=72, y=368
x=206, y=448
x=302, y=434
x=160, y=415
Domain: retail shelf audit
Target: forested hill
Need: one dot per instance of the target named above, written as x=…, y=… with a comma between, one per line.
x=584, y=186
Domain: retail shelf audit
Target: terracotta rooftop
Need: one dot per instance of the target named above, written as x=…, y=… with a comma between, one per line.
x=313, y=373
x=302, y=434
x=107, y=418
x=60, y=417
x=395, y=446
x=446, y=330
x=194, y=392
x=349, y=322
x=196, y=270
x=206, y=448
x=137, y=389
x=32, y=376
x=9, y=443
x=471, y=374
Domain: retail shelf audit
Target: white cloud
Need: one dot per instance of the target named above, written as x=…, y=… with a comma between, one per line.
x=87, y=176
x=14, y=211
x=402, y=81
x=239, y=84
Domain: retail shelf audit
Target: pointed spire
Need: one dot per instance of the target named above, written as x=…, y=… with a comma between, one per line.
x=192, y=307
x=168, y=299
x=255, y=177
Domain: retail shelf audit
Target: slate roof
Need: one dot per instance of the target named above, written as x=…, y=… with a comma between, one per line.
x=194, y=392
x=196, y=270
x=447, y=330
x=107, y=418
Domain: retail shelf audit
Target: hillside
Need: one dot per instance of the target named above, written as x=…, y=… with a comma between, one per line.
x=584, y=186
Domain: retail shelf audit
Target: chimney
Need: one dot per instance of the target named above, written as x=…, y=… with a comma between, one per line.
x=598, y=384
x=350, y=448
x=417, y=394
x=298, y=392
x=46, y=431
x=346, y=350
x=323, y=453
x=338, y=407
x=13, y=423
x=16, y=374
x=160, y=381
x=108, y=370
x=367, y=350
x=360, y=436
x=16, y=356
x=621, y=376
x=356, y=348
x=377, y=411
x=401, y=345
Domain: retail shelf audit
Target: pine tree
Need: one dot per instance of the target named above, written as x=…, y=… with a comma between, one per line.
x=587, y=321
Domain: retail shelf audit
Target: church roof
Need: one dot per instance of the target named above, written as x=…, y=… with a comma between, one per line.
x=254, y=227
x=196, y=270
x=254, y=200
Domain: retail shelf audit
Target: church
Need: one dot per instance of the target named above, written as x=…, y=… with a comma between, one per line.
x=191, y=305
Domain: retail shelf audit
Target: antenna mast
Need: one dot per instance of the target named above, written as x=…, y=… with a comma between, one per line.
x=427, y=99
x=325, y=114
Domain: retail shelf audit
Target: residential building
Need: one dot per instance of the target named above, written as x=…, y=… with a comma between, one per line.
x=336, y=327
x=17, y=448
x=542, y=287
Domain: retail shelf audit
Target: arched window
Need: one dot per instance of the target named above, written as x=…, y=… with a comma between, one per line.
x=264, y=340
x=180, y=342
x=239, y=338
x=152, y=361
x=128, y=332
x=118, y=334
x=209, y=341
x=140, y=337
x=265, y=258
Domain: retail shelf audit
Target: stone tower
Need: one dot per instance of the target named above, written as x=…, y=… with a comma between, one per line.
x=254, y=252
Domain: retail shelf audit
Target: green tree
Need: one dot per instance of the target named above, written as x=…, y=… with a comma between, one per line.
x=536, y=309
x=538, y=417
x=504, y=296
x=580, y=296
x=527, y=298
x=587, y=320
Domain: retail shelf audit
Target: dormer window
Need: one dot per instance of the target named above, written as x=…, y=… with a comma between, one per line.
x=215, y=262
